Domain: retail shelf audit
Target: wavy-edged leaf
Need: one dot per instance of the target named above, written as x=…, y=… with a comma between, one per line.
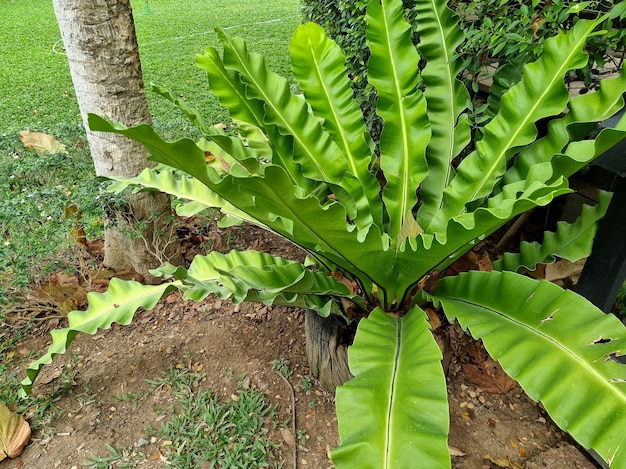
x=298, y=135
x=584, y=109
x=119, y=304
x=541, y=93
x=231, y=92
x=394, y=412
x=428, y=252
x=578, y=154
x=571, y=241
x=557, y=345
x=183, y=154
x=165, y=179
x=319, y=66
x=447, y=99
x=260, y=277
x=393, y=70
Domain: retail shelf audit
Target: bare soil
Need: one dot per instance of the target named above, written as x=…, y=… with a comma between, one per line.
x=493, y=424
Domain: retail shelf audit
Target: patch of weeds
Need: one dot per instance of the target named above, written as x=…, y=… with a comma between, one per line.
x=306, y=383
x=231, y=434
x=119, y=458
x=281, y=367
x=87, y=398
x=228, y=373
x=130, y=397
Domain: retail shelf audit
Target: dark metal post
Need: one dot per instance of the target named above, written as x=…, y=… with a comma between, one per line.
x=605, y=270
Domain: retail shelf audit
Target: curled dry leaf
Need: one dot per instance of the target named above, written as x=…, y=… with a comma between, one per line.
x=14, y=433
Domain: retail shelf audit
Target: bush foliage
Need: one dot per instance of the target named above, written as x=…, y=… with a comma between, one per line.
x=506, y=33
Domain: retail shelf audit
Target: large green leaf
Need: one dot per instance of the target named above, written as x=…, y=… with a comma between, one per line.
x=167, y=180
x=275, y=203
x=571, y=241
x=319, y=66
x=184, y=154
x=394, y=412
x=541, y=93
x=393, y=70
x=560, y=348
x=119, y=304
x=447, y=98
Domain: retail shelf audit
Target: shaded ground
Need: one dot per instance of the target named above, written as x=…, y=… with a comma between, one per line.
x=493, y=425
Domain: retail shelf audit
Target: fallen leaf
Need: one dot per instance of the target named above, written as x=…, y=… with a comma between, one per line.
x=563, y=269
x=287, y=436
x=41, y=142
x=489, y=376
x=455, y=451
x=14, y=433
x=500, y=462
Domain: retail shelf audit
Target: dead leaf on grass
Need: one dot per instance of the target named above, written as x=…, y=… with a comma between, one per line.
x=41, y=142
x=14, y=433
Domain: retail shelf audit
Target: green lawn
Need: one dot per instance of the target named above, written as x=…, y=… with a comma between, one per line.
x=37, y=95
x=36, y=87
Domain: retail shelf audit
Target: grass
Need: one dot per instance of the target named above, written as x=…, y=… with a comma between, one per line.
x=38, y=95
x=233, y=434
x=201, y=428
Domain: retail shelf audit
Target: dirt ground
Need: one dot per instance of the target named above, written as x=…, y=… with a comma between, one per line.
x=493, y=424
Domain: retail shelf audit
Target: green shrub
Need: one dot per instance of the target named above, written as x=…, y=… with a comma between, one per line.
x=507, y=33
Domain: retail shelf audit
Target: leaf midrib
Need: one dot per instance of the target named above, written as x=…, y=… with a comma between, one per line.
x=535, y=330
x=538, y=102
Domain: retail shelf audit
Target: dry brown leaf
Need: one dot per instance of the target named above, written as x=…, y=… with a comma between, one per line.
x=14, y=433
x=563, y=269
x=287, y=436
x=41, y=142
x=489, y=376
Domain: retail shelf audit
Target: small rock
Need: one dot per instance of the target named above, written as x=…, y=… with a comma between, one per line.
x=142, y=442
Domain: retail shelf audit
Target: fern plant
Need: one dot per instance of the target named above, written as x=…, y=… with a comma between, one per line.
x=382, y=222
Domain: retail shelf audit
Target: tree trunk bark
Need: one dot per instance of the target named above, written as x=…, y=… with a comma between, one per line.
x=327, y=341
x=101, y=46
